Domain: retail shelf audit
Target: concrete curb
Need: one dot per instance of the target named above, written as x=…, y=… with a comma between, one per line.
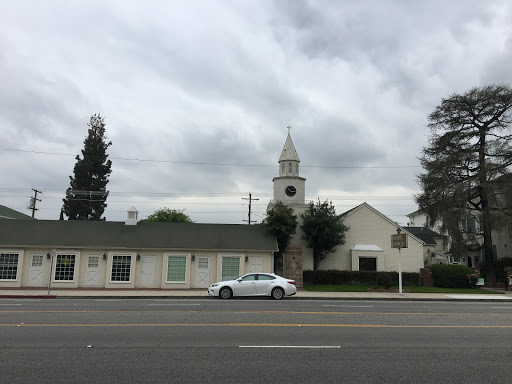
x=294, y=298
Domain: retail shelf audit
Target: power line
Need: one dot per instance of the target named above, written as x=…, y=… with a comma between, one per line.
x=218, y=164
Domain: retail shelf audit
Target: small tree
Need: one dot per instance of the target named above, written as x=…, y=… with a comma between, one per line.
x=166, y=215
x=87, y=195
x=282, y=223
x=323, y=230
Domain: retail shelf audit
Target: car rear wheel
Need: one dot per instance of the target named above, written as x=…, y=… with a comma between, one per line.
x=225, y=293
x=277, y=293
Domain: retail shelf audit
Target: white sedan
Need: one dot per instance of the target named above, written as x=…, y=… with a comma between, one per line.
x=254, y=284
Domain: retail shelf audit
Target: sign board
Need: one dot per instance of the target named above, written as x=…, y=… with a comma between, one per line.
x=399, y=241
x=53, y=252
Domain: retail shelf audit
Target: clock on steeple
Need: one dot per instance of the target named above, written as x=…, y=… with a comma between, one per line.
x=289, y=187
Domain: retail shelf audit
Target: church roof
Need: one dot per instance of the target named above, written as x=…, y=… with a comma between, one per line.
x=289, y=152
x=8, y=213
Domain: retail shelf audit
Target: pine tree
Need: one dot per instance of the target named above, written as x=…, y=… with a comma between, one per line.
x=87, y=195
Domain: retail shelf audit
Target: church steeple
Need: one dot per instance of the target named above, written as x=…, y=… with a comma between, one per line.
x=289, y=152
x=289, y=187
x=289, y=159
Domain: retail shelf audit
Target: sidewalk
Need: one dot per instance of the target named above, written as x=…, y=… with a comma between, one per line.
x=202, y=294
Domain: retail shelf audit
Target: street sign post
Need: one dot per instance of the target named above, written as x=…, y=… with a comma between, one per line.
x=399, y=241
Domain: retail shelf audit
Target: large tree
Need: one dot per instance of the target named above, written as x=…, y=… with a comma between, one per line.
x=282, y=223
x=87, y=195
x=323, y=229
x=465, y=165
x=166, y=215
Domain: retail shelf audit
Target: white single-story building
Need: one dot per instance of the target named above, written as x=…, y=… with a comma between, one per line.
x=117, y=255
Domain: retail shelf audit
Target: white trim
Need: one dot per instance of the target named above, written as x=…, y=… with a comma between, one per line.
x=76, y=270
x=222, y=255
x=187, y=255
x=367, y=247
x=133, y=256
x=20, y=254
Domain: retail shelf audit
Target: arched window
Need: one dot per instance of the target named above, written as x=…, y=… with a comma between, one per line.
x=290, y=168
x=282, y=168
x=297, y=168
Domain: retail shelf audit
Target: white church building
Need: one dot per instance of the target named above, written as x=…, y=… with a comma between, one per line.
x=367, y=242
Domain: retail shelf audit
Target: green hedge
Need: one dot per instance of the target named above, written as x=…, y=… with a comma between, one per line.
x=452, y=276
x=337, y=277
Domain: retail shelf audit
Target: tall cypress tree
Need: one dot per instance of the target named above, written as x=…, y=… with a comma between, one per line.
x=87, y=195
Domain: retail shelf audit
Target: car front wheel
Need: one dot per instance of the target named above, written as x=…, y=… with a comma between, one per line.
x=277, y=293
x=225, y=293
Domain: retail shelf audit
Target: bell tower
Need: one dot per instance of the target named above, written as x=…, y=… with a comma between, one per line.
x=289, y=187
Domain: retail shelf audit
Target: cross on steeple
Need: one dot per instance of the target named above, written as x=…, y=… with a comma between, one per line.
x=289, y=129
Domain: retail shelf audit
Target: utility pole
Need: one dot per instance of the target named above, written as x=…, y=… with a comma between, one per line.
x=33, y=202
x=250, y=199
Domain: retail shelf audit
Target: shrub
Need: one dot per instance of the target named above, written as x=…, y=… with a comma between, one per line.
x=357, y=277
x=451, y=276
x=384, y=278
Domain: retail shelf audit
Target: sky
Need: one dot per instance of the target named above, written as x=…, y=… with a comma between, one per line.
x=197, y=97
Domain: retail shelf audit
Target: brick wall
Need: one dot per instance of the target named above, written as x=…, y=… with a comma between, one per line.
x=293, y=264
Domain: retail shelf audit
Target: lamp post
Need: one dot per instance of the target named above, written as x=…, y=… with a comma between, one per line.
x=399, y=241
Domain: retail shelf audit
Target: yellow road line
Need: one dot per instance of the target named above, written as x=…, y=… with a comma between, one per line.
x=258, y=325
x=277, y=312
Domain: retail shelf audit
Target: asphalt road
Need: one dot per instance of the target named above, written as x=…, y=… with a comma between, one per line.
x=254, y=341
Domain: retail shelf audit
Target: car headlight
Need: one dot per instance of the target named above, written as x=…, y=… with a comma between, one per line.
x=214, y=285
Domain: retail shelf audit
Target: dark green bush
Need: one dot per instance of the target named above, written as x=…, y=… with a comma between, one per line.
x=451, y=276
x=385, y=279
x=357, y=277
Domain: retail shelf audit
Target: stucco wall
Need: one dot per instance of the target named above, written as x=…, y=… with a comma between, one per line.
x=369, y=228
x=105, y=267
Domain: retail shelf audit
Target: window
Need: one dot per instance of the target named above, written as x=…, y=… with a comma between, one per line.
x=121, y=266
x=65, y=268
x=93, y=261
x=290, y=168
x=176, y=268
x=368, y=264
x=230, y=268
x=249, y=278
x=265, y=277
x=8, y=266
x=297, y=168
x=37, y=261
x=282, y=168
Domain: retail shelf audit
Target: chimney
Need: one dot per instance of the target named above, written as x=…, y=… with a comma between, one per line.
x=132, y=217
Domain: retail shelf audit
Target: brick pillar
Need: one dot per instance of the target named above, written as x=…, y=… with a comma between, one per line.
x=426, y=277
x=292, y=268
x=508, y=277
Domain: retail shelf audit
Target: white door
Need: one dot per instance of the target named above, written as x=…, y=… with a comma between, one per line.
x=147, y=276
x=203, y=272
x=35, y=276
x=255, y=264
x=92, y=272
